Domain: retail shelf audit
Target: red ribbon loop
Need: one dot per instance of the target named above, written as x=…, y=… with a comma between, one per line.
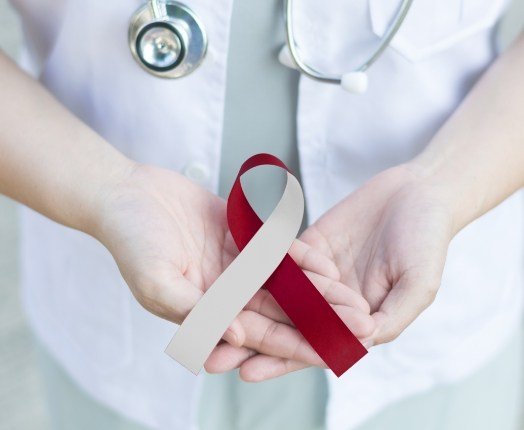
x=311, y=314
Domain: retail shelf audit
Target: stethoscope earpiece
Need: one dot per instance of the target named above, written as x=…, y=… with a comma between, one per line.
x=167, y=39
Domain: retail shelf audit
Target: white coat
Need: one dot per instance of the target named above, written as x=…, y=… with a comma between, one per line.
x=81, y=309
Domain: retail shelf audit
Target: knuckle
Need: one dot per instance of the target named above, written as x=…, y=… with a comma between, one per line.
x=330, y=290
x=269, y=334
x=296, y=350
x=309, y=257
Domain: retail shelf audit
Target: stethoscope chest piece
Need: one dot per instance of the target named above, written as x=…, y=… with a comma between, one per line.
x=167, y=39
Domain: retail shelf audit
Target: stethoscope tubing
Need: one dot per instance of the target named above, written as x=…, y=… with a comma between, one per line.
x=157, y=11
x=315, y=74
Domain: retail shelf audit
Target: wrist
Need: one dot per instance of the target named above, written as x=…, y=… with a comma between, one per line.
x=117, y=172
x=449, y=183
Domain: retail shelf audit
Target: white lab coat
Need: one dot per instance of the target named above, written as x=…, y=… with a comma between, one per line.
x=77, y=302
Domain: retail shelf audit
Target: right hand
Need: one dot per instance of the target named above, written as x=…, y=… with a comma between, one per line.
x=170, y=240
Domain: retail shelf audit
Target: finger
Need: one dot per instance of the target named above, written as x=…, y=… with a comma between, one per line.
x=235, y=334
x=226, y=357
x=337, y=293
x=405, y=302
x=279, y=339
x=361, y=324
x=262, y=367
x=273, y=338
x=305, y=255
x=309, y=258
x=264, y=303
x=345, y=301
x=313, y=237
x=333, y=291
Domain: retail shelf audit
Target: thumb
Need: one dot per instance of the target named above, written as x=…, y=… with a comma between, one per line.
x=411, y=295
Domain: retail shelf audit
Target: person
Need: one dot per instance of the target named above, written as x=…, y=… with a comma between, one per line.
x=411, y=189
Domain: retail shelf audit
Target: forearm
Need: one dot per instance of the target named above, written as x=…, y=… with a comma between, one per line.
x=50, y=160
x=478, y=155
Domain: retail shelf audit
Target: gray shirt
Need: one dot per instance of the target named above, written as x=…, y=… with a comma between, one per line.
x=260, y=116
x=260, y=108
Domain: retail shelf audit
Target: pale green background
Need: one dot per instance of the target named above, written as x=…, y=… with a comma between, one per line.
x=21, y=393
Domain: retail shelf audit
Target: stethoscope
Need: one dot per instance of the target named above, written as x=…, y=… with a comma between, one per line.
x=168, y=40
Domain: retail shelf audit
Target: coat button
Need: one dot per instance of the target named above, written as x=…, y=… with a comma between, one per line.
x=197, y=172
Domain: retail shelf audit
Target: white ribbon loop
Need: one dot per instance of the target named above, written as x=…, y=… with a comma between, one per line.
x=213, y=314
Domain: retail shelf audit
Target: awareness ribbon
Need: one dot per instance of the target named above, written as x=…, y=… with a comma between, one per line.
x=263, y=260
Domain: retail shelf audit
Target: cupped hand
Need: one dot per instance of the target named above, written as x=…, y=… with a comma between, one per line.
x=280, y=348
x=170, y=240
x=389, y=241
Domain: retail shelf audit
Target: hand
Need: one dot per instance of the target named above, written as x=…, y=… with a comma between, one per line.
x=170, y=240
x=280, y=349
x=389, y=241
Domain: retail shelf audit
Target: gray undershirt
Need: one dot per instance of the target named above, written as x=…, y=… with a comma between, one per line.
x=260, y=108
x=260, y=116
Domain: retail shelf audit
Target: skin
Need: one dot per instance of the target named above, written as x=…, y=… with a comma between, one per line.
x=389, y=238
x=168, y=236
x=170, y=247
x=394, y=258
x=377, y=256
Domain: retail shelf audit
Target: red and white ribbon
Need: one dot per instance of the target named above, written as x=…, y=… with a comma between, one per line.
x=263, y=260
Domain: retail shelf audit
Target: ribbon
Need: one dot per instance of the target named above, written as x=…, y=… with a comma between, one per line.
x=263, y=260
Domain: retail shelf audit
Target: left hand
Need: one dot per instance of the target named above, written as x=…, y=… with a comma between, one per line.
x=389, y=240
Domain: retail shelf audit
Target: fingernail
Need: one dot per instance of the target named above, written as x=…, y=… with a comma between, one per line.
x=231, y=336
